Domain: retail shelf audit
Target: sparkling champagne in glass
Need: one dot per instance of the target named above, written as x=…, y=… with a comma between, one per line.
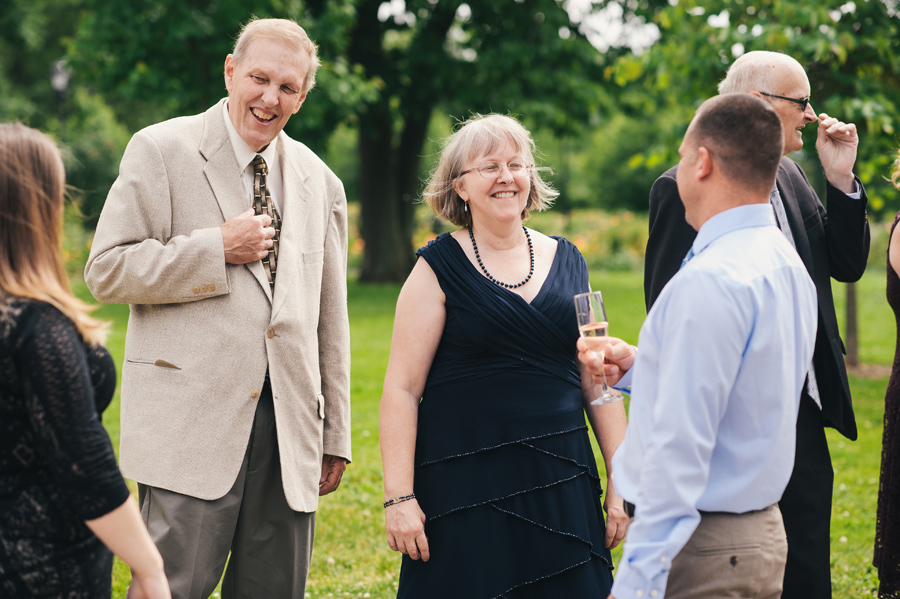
x=594, y=329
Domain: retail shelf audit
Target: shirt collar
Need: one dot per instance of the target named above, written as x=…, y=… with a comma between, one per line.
x=740, y=217
x=243, y=152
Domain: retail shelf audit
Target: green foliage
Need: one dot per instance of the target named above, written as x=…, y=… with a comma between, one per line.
x=32, y=34
x=157, y=59
x=611, y=166
x=851, y=52
x=33, y=37
x=92, y=146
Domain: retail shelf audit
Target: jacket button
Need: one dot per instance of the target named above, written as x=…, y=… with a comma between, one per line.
x=254, y=394
x=270, y=333
x=203, y=288
x=196, y=290
x=212, y=287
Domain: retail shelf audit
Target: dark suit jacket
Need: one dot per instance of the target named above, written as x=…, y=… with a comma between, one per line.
x=832, y=243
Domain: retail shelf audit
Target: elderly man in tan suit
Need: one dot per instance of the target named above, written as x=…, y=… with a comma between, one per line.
x=235, y=387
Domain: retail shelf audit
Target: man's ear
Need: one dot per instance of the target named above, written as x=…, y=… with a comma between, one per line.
x=229, y=72
x=299, y=104
x=704, y=163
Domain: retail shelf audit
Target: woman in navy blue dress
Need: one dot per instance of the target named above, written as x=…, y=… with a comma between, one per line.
x=491, y=486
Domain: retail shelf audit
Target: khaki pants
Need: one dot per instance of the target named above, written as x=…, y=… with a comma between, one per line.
x=731, y=555
x=270, y=544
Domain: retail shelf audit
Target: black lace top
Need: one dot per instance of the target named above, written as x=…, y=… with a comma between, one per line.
x=57, y=466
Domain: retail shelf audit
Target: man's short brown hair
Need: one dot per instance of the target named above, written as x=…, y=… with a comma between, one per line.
x=744, y=135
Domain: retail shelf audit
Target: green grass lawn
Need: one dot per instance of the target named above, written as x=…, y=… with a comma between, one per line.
x=351, y=557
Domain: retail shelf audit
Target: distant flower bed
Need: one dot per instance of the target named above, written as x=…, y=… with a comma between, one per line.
x=609, y=240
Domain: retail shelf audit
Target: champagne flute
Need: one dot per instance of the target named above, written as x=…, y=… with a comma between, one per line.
x=594, y=329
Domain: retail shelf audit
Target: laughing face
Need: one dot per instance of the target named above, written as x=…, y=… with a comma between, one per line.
x=791, y=82
x=265, y=89
x=500, y=196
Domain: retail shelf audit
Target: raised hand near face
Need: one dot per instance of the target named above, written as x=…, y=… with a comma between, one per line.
x=837, y=143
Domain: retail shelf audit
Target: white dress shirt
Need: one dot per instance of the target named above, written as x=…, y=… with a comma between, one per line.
x=715, y=391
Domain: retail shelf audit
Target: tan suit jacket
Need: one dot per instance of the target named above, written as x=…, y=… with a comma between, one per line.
x=202, y=333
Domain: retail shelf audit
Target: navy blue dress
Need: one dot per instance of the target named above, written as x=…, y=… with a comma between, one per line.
x=504, y=469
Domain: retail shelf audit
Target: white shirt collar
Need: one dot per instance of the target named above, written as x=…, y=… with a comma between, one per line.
x=243, y=152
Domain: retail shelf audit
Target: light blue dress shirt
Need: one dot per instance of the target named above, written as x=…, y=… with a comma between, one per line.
x=715, y=391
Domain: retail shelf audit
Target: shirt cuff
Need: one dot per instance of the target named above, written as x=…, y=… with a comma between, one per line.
x=624, y=383
x=630, y=584
x=858, y=193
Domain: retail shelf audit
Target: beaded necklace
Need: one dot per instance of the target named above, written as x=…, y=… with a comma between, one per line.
x=489, y=276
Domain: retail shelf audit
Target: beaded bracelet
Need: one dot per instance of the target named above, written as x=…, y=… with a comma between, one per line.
x=400, y=499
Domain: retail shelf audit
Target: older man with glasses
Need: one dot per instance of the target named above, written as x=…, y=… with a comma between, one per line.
x=832, y=243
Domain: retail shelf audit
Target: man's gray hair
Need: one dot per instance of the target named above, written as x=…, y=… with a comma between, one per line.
x=753, y=72
x=286, y=31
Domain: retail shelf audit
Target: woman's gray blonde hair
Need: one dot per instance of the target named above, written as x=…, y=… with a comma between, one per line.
x=480, y=135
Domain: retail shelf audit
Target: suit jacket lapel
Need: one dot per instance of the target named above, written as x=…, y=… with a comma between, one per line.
x=295, y=220
x=224, y=178
x=784, y=181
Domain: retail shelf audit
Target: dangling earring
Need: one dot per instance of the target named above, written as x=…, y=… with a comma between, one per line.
x=466, y=209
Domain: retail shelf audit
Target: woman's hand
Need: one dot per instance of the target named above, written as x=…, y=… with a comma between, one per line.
x=617, y=520
x=406, y=529
x=152, y=586
x=124, y=532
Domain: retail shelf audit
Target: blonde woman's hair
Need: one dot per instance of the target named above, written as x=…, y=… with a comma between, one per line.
x=286, y=31
x=895, y=175
x=480, y=135
x=32, y=184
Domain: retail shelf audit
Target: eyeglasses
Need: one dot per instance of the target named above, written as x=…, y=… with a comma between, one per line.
x=801, y=102
x=491, y=170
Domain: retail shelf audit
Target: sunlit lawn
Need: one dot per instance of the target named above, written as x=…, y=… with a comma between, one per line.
x=351, y=558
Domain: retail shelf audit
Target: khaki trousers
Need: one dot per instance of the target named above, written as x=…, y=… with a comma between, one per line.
x=270, y=544
x=731, y=555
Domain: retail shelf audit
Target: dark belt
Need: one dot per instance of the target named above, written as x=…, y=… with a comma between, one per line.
x=629, y=511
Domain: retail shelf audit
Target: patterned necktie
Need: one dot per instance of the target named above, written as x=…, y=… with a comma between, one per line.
x=812, y=386
x=263, y=204
x=781, y=215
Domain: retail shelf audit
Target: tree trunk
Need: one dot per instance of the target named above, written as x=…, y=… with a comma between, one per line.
x=852, y=330
x=409, y=157
x=389, y=161
x=389, y=192
x=387, y=253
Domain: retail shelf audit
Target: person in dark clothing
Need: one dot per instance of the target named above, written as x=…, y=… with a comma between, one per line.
x=64, y=507
x=887, y=531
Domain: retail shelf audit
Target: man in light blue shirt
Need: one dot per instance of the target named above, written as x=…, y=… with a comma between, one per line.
x=715, y=388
